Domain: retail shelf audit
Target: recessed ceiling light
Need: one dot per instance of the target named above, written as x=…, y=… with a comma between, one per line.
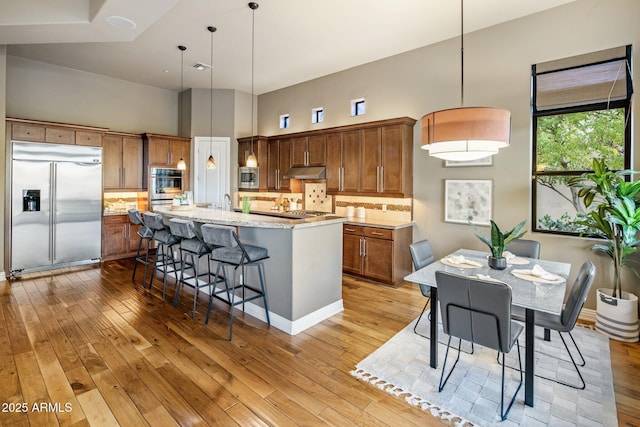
x=121, y=22
x=201, y=66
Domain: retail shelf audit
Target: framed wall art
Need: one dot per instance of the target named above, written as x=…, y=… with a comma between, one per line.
x=468, y=200
x=486, y=161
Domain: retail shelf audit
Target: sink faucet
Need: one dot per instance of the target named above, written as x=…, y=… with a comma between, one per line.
x=227, y=202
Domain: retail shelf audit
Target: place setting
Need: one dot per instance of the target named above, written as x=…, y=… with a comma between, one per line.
x=537, y=274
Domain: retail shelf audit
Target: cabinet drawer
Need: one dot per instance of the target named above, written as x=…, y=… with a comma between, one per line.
x=60, y=136
x=379, y=233
x=116, y=219
x=93, y=139
x=353, y=229
x=22, y=132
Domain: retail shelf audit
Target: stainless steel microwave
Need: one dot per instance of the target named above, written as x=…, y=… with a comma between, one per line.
x=248, y=178
x=165, y=184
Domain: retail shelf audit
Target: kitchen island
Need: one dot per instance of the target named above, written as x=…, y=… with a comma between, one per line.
x=304, y=269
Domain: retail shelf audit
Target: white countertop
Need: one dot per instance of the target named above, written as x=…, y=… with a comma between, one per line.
x=381, y=223
x=239, y=219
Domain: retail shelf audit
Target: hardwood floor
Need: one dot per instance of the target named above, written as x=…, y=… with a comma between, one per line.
x=96, y=349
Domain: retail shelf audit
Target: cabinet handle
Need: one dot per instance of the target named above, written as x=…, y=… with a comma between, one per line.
x=364, y=247
x=375, y=233
x=349, y=229
x=277, y=179
x=381, y=179
x=341, y=179
x=124, y=174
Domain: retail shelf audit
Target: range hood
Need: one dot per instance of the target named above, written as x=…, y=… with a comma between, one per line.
x=306, y=173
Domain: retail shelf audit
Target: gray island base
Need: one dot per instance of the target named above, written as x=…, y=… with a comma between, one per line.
x=304, y=269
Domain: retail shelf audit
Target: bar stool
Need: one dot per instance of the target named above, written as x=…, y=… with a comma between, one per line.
x=146, y=234
x=231, y=252
x=192, y=248
x=165, y=241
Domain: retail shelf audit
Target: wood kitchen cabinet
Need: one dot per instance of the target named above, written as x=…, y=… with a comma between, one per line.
x=122, y=161
x=308, y=151
x=166, y=151
x=54, y=133
x=279, y=162
x=260, y=148
x=343, y=169
x=378, y=254
x=119, y=237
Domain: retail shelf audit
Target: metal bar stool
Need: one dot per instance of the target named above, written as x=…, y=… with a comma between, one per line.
x=230, y=252
x=192, y=248
x=165, y=241
x=146, y=234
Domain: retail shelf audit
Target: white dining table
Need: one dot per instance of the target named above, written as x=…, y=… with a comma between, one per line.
x=533, y=296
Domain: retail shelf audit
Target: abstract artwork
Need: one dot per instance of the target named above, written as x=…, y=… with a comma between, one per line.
x=468, y=201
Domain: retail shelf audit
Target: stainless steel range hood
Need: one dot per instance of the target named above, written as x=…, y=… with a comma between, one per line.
x=306, y=173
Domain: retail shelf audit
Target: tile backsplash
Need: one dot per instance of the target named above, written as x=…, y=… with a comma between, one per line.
x=123, y=201
x=397, y=209
x=316, y=197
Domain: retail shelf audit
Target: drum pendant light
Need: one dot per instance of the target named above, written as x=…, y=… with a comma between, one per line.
x=252, y=161
x=465, y=133
x=181, y=163
x=211, y=162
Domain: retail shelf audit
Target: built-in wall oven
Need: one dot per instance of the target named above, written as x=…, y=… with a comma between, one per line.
x=164, y=185
x=248, y=178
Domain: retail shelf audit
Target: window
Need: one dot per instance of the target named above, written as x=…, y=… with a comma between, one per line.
x=317, y=115
x=581, y=110
x=357, y=107
x=284, y=121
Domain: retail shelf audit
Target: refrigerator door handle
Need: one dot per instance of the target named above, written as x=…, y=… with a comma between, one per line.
x=52, y=202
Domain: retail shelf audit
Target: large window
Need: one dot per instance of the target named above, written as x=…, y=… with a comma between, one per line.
x=581, y=110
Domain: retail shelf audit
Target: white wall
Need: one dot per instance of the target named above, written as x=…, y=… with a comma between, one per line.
x=497, y=73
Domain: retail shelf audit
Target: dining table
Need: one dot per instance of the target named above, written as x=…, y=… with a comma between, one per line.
x=530, y=292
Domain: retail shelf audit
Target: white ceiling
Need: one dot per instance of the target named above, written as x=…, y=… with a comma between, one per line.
x=295, y=40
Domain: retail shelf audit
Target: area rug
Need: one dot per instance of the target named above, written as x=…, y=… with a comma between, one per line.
x=472, y=394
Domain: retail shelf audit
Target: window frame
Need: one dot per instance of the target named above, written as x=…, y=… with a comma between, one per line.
x=596, y=106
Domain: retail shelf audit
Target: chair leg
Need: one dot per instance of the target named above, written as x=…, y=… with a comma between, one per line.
x=503, y=413
x=135, y=265
x=583, y=362
x=264, y=294
x=231, y=302
x=179, y=285
x=420, y=317
x=444, y=364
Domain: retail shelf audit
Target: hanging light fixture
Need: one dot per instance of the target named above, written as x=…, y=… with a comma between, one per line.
x=211, y=162
x=252, y=161
x=465, y=133
x=181, y=163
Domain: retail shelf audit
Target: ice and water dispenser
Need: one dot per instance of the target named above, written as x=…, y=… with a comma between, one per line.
x=30, y=200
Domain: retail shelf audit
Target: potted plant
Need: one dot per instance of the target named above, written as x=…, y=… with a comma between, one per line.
x=498, y=241
x=616, y=219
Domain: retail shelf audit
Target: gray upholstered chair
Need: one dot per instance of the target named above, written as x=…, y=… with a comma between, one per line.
x=478, y=311
x=566, y=321
x=146, y=234
x=165, y=242
x=192, y=248
x=229, y=251
x=525, y=248
x=422, y=255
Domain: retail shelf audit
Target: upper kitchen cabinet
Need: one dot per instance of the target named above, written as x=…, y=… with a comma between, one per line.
x=166, y=150
x=308, y=151
x=344, y=161
x=279, y=162
x=55, y=133
x=260, y=148
x=122, y=161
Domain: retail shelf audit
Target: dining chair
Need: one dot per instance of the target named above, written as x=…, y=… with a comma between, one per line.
x=525, y=248
x=566, y=320
x=478, y=311
x=146, y=234
x=422, y=255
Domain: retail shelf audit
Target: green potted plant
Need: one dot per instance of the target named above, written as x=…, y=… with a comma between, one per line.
x=615, y=218
x=498, y=241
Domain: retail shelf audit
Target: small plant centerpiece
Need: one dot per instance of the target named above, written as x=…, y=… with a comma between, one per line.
x=615, y=218
x=498, y=241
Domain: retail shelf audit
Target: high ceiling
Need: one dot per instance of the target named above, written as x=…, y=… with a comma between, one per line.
x=295, y=40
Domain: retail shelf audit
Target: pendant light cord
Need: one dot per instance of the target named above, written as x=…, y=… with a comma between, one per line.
x=253, y=7
x=462, y=53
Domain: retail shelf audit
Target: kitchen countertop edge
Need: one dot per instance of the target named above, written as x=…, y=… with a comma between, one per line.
x=379, y=223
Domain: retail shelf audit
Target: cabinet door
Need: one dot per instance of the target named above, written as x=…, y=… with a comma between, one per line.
x=351, y=158
x=298, y=152
x=334, y=161
x=351, y=257
x=391, y=162
x=370, y=160
x=273, y=159
x=111, y=161
x=27, y=132
x=316, y=151
x=93, y=139
x=244, y=149
x=133, y=239
x=159, y=152
x=132, y=163
x=378, y=259
x=113, y=238
x=179, y=150
x=285, y=163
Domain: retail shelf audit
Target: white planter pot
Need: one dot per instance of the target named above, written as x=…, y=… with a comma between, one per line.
x=617, y=318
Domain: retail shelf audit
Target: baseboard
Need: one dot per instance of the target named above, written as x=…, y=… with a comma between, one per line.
x=588, y=315
x=3, y=276
x=297, y=326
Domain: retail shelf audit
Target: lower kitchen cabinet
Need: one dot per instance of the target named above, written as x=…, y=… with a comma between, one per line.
x=119, y=237
x=378, y=254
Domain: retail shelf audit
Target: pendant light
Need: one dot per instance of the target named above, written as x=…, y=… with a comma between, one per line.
x=211, y=162
x=181, y=163
x=465, y=133
x=252, y=161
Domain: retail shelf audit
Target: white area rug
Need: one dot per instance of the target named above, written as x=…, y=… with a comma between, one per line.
x=472, y=395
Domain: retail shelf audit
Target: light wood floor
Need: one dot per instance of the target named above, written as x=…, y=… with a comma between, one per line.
x=101, y=350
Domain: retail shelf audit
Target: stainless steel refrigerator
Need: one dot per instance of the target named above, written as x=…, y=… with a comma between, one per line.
x=56, y=206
